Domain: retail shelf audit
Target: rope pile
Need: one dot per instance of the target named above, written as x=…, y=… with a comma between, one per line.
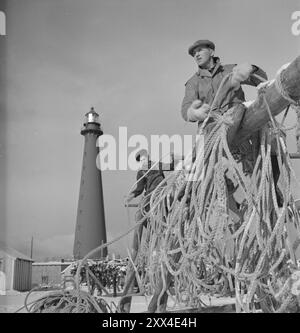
x=197, y=243
x=66, y=301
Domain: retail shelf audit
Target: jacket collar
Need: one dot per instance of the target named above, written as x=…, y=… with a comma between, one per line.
x=206, y=72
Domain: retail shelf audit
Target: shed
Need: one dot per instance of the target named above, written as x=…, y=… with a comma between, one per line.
x=15, y=268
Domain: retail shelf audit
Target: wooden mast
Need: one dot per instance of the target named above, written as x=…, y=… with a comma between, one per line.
x=256, y=115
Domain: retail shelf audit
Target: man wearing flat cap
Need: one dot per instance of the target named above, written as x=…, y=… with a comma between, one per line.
x=201, y=88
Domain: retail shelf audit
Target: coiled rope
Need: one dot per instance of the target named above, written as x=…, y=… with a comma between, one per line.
x=197, y=244
x=203, y=249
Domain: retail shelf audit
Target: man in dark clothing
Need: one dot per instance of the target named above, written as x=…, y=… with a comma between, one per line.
x=147, y=181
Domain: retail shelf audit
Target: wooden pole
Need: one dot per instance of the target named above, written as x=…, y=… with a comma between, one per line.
x=256, y=115
x=31, y=247
x=102, y=250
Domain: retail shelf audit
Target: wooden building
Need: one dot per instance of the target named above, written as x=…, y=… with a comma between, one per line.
x=15, y=268
x=48, y=273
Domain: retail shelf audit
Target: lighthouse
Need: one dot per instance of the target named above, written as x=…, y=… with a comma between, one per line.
x=90, y=229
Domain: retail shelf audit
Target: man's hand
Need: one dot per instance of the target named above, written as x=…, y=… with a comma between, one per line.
x=198, y=111
x=265, y=84
x=241, y=73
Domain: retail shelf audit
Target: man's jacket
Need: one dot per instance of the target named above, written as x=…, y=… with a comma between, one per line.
x=204, y=84
x=149, y=182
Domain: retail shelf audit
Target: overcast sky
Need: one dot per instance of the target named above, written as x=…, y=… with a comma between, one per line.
x=128, y=59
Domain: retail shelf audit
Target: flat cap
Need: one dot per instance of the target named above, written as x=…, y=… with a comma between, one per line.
x=201, y=42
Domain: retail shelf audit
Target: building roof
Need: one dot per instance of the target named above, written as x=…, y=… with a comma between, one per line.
x=53, y=263
x=5, y=249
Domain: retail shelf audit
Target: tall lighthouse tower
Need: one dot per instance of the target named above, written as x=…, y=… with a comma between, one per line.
x=90, y=225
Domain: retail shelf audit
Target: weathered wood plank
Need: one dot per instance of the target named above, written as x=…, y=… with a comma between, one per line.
x=256, y=115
